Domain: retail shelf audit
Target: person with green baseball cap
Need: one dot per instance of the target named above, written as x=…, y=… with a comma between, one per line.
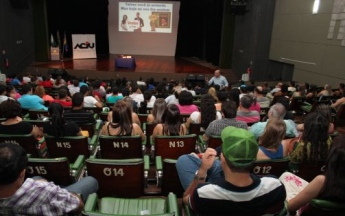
x=226, y=186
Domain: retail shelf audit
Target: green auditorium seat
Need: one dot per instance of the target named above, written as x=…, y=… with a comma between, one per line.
x=318, y=207
x=57, y=170
x=213, y=142
x=271, y=167
x=131, y=207
x=148, y=131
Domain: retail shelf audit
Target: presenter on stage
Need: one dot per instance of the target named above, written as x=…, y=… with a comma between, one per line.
x=141, y=22
x=218, y=80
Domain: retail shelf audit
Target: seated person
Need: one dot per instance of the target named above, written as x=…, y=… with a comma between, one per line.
x=244, y=113
x=40, y=92
x=3, y=92
x=327, y=91
x=271, y=144
x=226, y=186
x=74, y=88
x=77, y=114
x=185, y=104
x=89, y=101
x=263, y=101
x=339, y=102
x=301, y=91
x=222, y=97
x=173, y=99
x=149, y=99
x=157, y=112
x=171, y=125
x=207, y=113
x=229, y=119
x=130, y=103
x=63, y=98
x=29, y=101
x=341, y=90
x=328, y=186
x=161, y=92
x=14, y=124
x=36, y=196
x=115, y=96
x=276, y=111
x=121, y=123
x=58, y=126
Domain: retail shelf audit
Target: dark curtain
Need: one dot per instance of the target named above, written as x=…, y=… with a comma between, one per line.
x=79, y=17
x=200, y=29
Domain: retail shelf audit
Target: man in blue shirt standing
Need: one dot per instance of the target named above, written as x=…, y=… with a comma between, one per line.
x=29, y=101
x=218, y=80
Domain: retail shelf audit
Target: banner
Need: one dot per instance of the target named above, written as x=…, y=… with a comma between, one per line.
x=84, y=46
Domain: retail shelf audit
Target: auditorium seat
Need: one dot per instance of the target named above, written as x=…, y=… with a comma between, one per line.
x=36, y=148
x=38, y=114
x=104, y=116
x=308, y=171
x=38, y=123
x=121, y=147
x=296, y=104
x=167, y=176
x=143, y=118
x=148, y=131
x=92, y=129
x=271, y=167
x=173, y=146
x=119, y=178
x=213, y=142
x=57, y=170
x=131, y=207
x=194, y=128
x=70, y=147
x=95, y=110
x=318, y=207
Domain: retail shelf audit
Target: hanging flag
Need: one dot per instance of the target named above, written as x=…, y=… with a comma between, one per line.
x=65, y=46
x=52, y=41
x=58, y=38
x=7, y=63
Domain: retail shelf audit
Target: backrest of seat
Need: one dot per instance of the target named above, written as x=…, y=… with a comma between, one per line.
x=120, y=147
x=271, y=167
x=308, y=171
x=174, y=146
x=143, y=118
x=90, y=128
x=296, y=103
x=38, y=114
x=194, y=128
x=70, y=147
x=171, y=181
x=28, y=142
x=118, y=178
x=56, y=170
x=38, y=123
x=184, y=117
x=149, y=132
x=319, y=207
x=214, y=142
x=93, y=109
x=104, y=116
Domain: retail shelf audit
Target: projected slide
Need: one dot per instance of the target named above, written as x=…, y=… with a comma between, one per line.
x=145, y=17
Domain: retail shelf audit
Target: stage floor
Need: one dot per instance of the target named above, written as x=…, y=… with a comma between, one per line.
x=170, y=67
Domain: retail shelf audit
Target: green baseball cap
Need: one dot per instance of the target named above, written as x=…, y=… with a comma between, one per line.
x=239, y=146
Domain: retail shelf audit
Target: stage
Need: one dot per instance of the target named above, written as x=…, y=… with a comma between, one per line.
x=158, y=67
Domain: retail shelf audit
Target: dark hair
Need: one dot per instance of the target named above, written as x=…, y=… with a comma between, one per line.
x=244, y=89
x=77, y=99
x=2, y=89
x=246, y=101
x=333, y=188
x=171, y=120
x=84, y=89
x=189, y=86
x=239, y=169
x=13, y=160
x=316, y=133
x=293, y=83
x=122, y=118
x=10, y=109
x=76, y=83
x=147, y=95
x=229, y=109
x=207, y=110
x=125, y=92
x=222, y=96
x=57, y=121
x=97, y=84
x=284, y=88
x=158, y=110
x=235, y=96
x=325, y=110
x=115, y=90
x=9, y=88
x=62, y=93
x=26, y=88
x=185, y=98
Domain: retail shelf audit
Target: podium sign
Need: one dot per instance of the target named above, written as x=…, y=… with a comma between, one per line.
x=54, y=53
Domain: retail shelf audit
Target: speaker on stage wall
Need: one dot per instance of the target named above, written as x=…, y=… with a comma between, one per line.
x=200, y=78
x=191, y=78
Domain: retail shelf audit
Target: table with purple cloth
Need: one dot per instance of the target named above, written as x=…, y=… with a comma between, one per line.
x=125, y=63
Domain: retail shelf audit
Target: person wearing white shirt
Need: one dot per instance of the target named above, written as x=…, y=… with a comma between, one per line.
x=89, y=101
x=137, y=95
x=74, y=88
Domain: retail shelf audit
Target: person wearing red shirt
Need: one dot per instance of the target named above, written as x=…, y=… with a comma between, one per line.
x=64, y=100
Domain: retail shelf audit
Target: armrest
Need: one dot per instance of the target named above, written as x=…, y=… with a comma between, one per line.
x=29, y=155
x=143, y=142
x=91, y=203
x=27, y=116
x=92, y=157
x=93, y=140
x=152, y=140
x=173, y=206
x=144, y=127
x=79, y=162
x=146, y=162
x=98, y=125
x=95, y=115
x=159, y=163
x=201, y=139
x=188, y=210
x=41, y=141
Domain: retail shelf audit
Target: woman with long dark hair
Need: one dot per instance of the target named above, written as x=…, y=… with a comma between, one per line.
x=57, y=126
x=121, y=122
x=185, y=104
x=207, y=114
x=171, y=125
x=329, y=186
x=315, y=141
x=157, y=112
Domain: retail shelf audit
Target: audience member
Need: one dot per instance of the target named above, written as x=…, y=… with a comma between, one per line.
x=74, y=88
x=212, y=91
x=265, y=88
x=26, y=78
x=301, y=92
x=81, y=82
x=326, y=92
x=149, y=99
x=121, y=123
x=229, y=119
x=14, y=124
x=190, y=89
x=276, y=111
x=89, y=101
x=173, y=99
x=115, y=96
x=40, y=92
x=63, y=98
x=36, y=196
x=271, y=145
x=161, y=92
x=97, y=85
x=244, y=113
x=45, y=83
x=16, y=81
x=186, y=105
x=171, y=125
x=3, y=92
x=339, y=102
x=57, y=125
x=277, y=88
x=312, y=92
x=292, y=86
x=137, y=95
x=230, y=189
x=11, y=92
x=341, y=90
x=29, y=101
x=59, y=82
x=222, y=97
x=235, y=96
x=77, y=114
x=263, y=101
x=157, y=112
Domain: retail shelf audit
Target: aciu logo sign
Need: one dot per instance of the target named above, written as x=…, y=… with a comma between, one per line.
x=85, y=45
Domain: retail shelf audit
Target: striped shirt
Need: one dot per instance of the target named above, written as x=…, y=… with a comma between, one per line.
x=248, y=116
x=215, y=128
x=265, y=195
x=39, y=198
